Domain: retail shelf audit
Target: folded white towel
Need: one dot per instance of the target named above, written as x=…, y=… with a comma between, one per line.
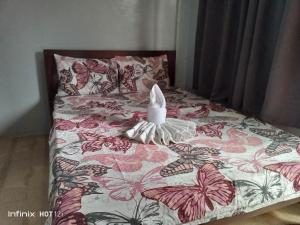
x=173, y=130
x=157, y=107
x=158, y=129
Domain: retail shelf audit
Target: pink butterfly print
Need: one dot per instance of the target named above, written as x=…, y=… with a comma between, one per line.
x=125, y=189
x=128, y=78
x=236, y=141
x=254, y=164
x=211, y=129
x=204, y=110
x=161, y=74
x=115, y=106
x=109, y=85
x=173, y=112
x=65, y=75
x=132, y=162
x=155, y=62
x=89, y=123
x=66, y=209
x=192, y=201
x=290, y=170
x=140, y=70
x=103, y=127
x=127, y=122
x=216, y=107
x=200, y=113
x=65, y=82
x=111, y=106
x=94, y=142
x=84, y=69
x=81, y=101
x=59, y=141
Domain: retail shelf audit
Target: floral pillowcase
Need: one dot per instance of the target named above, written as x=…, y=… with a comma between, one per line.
x=86, y=76
x=139, y=74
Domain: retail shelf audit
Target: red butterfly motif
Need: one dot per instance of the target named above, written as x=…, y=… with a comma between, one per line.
x=69, y=174
x=200, y=113
x=136, y=117
x=155, y=62
x=65, y=82
x=161, y=75
x=128, y=78
x=191, y=201
x=66, y=209
x=125, y=189
x=211, y=129
x=290, y=170
x=190, y=157
x=97, y=86
x=236, y=141
x=84, y=69
x=204, y=110
x=165, y=65
x=65, y=76
x=250, y=164
x=173, y=112
x=114, y=105
x=131, y=162
x=89, y=123
x=94, y=142
x=140, y=70
x=216, y=107
x=109, y=85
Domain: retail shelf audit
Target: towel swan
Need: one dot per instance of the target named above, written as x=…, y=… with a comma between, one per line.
x=159, y=129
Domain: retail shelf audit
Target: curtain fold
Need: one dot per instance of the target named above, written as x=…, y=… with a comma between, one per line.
x=282, y=100
x=239, y=55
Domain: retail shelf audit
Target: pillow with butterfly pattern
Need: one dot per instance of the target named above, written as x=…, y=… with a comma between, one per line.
x=139, y=74
x=79, y=76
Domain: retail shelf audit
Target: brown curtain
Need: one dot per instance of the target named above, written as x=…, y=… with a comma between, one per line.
x=282, y=100
x=240, y=52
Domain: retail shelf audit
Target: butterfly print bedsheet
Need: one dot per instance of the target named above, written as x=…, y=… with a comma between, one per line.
x=234, y=165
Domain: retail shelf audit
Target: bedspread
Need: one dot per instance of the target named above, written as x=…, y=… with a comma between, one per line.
x=234, y=165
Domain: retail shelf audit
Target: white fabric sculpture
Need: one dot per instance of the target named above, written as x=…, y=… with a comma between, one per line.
x=159, y=129
x=157, y=107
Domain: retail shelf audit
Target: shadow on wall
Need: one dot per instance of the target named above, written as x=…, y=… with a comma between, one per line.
x=36, y=120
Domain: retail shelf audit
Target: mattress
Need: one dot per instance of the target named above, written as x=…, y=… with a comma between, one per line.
x=235, y=164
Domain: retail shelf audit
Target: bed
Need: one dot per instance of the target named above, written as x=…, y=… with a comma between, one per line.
x=235, y=167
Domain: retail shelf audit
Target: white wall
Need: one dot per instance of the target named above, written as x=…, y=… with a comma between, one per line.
x=28, y=27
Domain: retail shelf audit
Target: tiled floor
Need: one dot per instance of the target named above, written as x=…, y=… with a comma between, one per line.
x=24, y=185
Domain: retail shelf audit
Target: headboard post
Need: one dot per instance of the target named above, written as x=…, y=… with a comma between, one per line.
x=51, y=72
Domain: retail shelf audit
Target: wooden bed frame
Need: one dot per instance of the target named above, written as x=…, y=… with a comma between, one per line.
x=52, y=84
x=51, y=71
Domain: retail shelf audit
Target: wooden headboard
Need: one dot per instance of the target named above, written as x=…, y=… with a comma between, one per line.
x=51, y=72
